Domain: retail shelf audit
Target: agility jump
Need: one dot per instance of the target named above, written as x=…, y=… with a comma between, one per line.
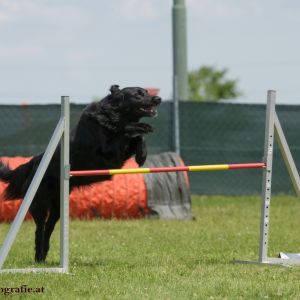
x=61, y=134
x=169, y=169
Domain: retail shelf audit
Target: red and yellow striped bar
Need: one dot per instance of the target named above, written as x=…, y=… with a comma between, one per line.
x=169, y=169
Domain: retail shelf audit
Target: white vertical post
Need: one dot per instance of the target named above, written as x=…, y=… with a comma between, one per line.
x=267, y=177
x=64, y=185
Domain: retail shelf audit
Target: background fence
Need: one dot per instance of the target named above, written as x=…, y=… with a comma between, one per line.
x=211, y=133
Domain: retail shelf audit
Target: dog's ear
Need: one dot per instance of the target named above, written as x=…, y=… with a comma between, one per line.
x=114, y=90
x=102, y=114
x=116, y=95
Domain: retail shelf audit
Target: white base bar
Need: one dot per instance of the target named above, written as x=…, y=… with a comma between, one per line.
x=35, y=270
x=272, y=261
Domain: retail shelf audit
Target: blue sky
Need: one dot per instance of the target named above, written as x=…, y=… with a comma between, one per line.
x=79, y=48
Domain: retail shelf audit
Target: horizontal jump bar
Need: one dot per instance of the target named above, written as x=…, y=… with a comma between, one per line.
x=169, y=169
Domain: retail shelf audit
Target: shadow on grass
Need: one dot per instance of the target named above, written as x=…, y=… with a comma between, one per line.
x=119, y=263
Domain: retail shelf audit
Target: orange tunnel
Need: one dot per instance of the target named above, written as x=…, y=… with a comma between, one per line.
x=125, y=196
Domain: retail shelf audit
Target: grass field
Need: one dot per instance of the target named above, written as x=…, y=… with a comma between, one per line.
x=154, y=259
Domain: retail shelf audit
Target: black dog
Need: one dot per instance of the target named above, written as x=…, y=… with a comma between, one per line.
x=107, y=134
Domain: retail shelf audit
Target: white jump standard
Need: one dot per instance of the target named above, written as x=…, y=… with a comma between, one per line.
x=273, y=127
x=61, y=134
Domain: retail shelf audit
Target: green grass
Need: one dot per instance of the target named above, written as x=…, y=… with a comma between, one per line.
x=154, y=259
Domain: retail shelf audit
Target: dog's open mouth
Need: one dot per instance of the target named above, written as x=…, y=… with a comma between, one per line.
x=149, y=110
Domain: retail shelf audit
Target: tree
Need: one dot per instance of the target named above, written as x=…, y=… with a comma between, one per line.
x=210, y=84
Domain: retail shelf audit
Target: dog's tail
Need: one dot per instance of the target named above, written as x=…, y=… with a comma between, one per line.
x=17, y=179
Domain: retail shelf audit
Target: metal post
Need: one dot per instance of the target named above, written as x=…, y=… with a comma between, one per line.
x=180, y=73
x=267, y=177
x=14, y=229
x=176, y=121
x=287, y=156
x=64, y=185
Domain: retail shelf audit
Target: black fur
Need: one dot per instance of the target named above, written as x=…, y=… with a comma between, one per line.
x=107, y=134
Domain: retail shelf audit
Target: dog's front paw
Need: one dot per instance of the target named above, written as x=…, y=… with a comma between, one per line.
x=146, y=127
x=137, y=129
x=140, y=151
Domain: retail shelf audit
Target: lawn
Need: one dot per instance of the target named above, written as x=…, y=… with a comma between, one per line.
x=155, y=259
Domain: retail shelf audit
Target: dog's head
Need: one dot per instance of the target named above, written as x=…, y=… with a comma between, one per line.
x=133, y=103
x=122, y=106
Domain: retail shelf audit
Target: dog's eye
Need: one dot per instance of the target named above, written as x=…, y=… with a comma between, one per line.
x=138, y=96
x=141, y=93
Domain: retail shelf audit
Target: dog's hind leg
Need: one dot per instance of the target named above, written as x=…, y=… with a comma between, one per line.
x=39, y=216
x=49, y=227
